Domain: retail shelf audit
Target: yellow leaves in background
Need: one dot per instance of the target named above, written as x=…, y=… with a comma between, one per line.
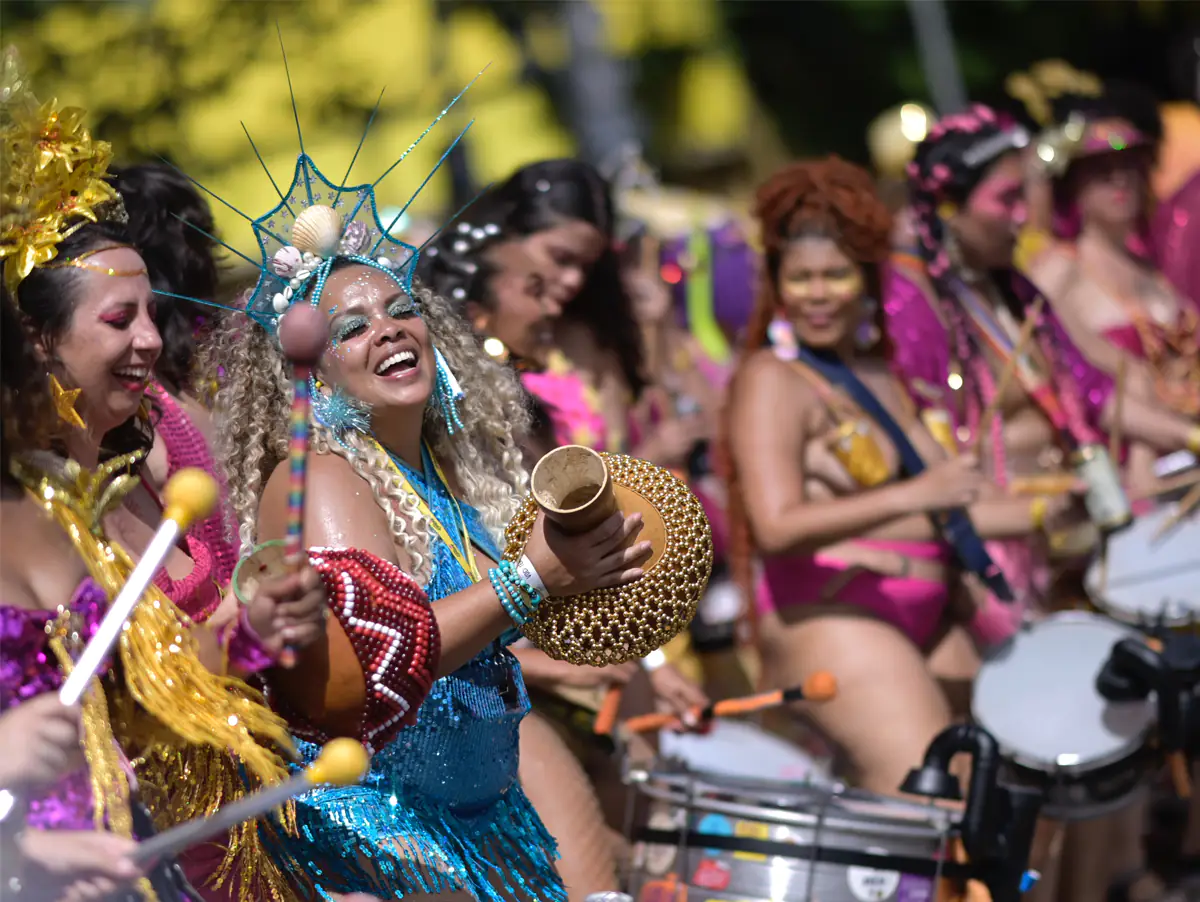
x=513, y=129
x=676, y=24
x=175, y=78
x=715, y=101
x=631, y=27
x=474, y=39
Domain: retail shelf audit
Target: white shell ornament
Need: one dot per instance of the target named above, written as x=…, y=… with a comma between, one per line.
x=318, y=230
x=280, y=303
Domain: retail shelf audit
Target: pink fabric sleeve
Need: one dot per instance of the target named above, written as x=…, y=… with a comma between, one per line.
x=186, y=447
x=920, y=345
x=1175, y=235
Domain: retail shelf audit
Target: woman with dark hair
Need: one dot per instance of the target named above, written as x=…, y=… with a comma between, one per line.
x=1097, y=270
x=561, y=211
x=834, y=481
x=78, y=292
x=41, y=736
x=170, y=224
x=496, y=285
x=954, y=313
x=82, y=295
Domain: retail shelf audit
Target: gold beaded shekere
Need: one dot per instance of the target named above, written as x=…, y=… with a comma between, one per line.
x=611, y=626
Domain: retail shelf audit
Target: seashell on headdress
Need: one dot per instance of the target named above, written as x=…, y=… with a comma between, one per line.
x=318, y=231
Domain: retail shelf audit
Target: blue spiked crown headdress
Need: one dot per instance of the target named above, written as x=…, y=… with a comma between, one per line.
x=318, y=223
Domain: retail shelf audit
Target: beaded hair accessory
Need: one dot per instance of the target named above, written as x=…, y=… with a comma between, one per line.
x=318, y=224
x=53, y=175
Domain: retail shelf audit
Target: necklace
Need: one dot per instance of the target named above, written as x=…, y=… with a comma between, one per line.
x=460, y=549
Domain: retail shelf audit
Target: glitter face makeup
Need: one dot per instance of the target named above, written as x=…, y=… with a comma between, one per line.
x=111, y=344
x=821, y=290
x=379, y=350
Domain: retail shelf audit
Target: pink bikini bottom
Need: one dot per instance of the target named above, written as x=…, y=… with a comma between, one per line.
x=914, y=606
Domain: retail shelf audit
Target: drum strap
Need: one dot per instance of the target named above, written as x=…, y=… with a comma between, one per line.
x=905, y=864
x=955, y=526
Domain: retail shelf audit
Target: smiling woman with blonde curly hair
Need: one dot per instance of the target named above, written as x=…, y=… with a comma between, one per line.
x=417, y=469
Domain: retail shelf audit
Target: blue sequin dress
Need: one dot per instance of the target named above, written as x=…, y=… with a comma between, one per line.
x=441, y=807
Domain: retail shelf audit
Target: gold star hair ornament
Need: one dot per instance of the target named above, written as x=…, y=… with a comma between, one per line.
x=64, y=404
x=89, y=494
x=53, y=175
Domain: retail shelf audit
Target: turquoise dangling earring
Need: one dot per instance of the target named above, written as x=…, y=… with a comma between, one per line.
x=337, y=411
x=448, y=393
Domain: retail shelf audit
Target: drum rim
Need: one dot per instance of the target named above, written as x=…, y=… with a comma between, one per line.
x=1138, y=620
x=1081, y=811
x=684, y=788
x=1053, y=768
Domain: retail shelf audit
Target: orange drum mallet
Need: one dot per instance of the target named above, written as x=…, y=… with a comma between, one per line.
x=819, y=687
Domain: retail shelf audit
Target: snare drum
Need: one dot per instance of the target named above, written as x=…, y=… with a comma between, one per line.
x=736, y=748
x=1037, y=695
x=1150, y=582
x=715, y=837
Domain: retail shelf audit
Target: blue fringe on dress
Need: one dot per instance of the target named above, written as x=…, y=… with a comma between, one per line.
x=441, y=808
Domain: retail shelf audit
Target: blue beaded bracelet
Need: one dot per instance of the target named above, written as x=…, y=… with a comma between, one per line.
x=506, y=600
x=517, y=597
x=514, y=575
x=521, y=600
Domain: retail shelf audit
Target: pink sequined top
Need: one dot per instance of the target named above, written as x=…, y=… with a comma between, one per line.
x=921, y=358
x=1175, y=234
x=29, y=668
x=571, y=404
x=186, y=447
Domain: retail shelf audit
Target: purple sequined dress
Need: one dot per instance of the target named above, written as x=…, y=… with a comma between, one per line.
x=29, y=668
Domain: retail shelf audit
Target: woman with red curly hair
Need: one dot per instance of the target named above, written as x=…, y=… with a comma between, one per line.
x=834, y=481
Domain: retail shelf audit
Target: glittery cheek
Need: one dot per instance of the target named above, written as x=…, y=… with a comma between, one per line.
x=845, y=288
x=797, y=290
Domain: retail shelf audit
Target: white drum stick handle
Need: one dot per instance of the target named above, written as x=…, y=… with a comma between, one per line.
x=178, y=838
x=106, y=636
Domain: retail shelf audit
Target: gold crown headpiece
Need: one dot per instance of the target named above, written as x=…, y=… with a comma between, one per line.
x=52, y=175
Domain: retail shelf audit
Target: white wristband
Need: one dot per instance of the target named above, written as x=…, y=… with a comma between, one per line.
x=527, y=572
x=654, y=660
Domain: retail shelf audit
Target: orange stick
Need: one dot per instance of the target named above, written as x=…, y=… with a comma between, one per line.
x=819, y=687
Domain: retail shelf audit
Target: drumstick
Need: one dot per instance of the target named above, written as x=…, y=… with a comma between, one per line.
x=1169, y=485
x=818, y=687
x=1010, y=369
x=189, y=495
x=341, y=763
x=1186, y=505
x=606, y=718
x=1043, y=484
x=1114, y=437
x=303, y=333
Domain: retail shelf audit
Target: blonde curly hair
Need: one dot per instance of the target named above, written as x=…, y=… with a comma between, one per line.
x=252, y=406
